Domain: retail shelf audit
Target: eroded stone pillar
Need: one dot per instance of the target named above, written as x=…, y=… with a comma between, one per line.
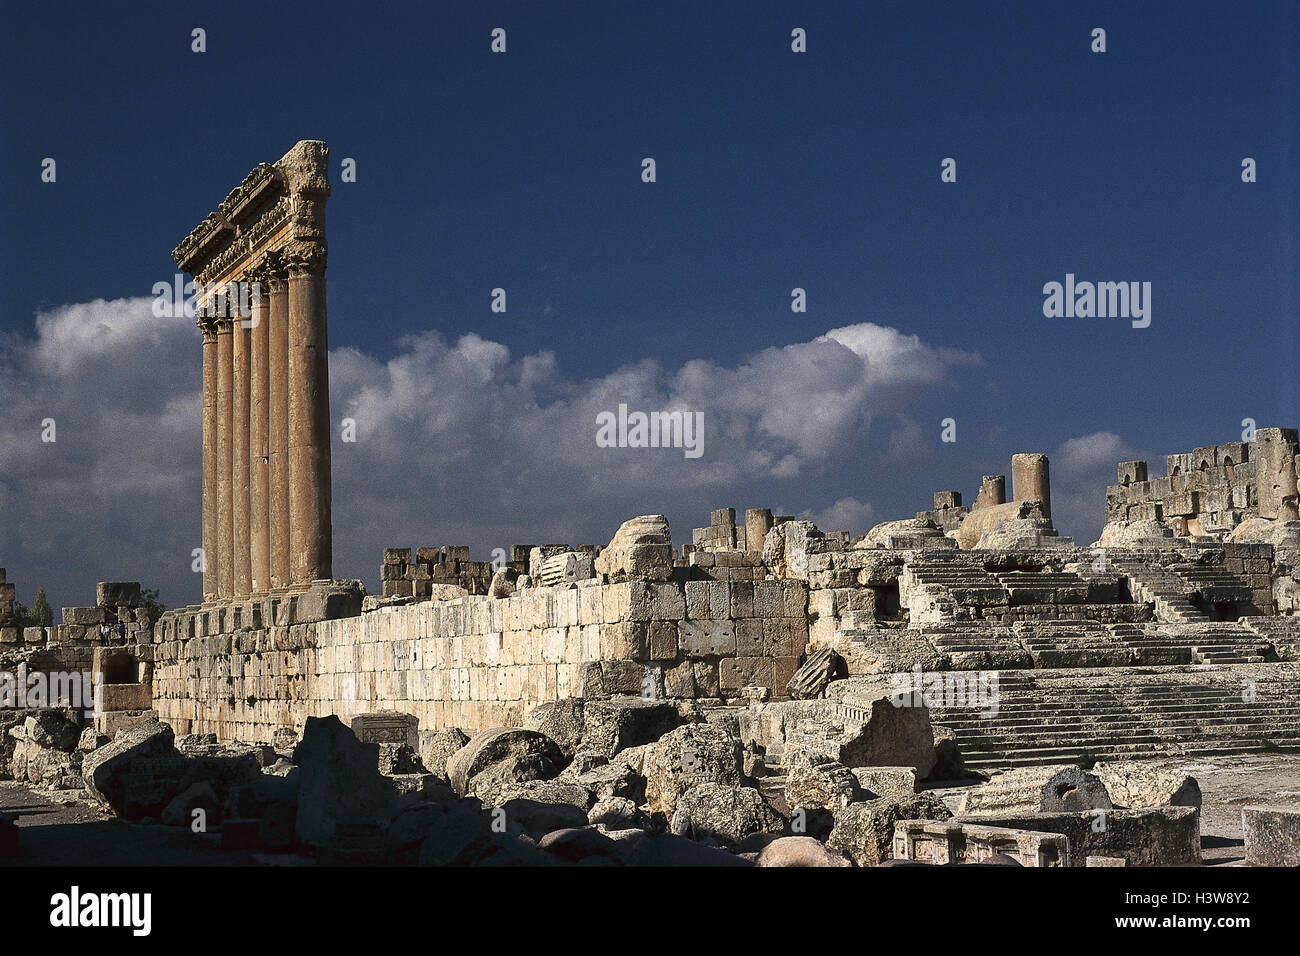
x=259, y=484
x=209, y=460
x=1275, y=473
x=1030, y=480
x=310, y=544
x=278, y=425
x=239, y=461
x=225, y=500
x=758, y=522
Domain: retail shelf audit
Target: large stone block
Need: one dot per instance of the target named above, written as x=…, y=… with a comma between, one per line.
x=1272, y=835
x=1161, y=836
x=706, y=638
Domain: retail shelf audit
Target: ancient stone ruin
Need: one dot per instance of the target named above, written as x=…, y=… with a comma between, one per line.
x=965, y=685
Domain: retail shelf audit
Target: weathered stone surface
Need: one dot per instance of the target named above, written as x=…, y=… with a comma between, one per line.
x=886, y=781
x=179, y=812
x=948, y=763
x=810, y=680
x=578, y=843
x=953, y=843
x=610, y=726
x=503, y=583
x=512, y=754
x=864, y=831
x=1136, y=785
x=1157, y=836
x=800, y=851
x=785, y=549
x=641, y=549
x=387, y=727
x=105, y=771
x=53, y=730
x=616, y=813
x=817, y=781
x=602, y=777
x=550, y=811
x=1272, y=835
x=437, y=746
x=118, y=594
x=720, y=813
x=890, y=736
x=687, y=757
x=560, y=720
x=1033, y=789
x=398, y=759
x=339, y=782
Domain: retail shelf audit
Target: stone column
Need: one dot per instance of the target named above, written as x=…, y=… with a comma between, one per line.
x=278, y=424
x=210, y=566
x=239, y=461
x=758, y=522
x=225, y=500
x=310, y=544
x=1275, y=473
x=259, y=468
x=1030, y=480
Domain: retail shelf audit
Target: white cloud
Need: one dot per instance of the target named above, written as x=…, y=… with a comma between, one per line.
x=1081, y=468
x=457, y=441
x=847, y=514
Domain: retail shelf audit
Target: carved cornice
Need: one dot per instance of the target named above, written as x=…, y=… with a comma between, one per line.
x=291, y=193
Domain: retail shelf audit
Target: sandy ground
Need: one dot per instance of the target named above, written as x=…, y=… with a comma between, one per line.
x=67, y=829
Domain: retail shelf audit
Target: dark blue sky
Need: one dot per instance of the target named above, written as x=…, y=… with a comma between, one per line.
x=775, y=170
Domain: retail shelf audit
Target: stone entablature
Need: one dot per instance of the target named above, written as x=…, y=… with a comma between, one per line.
x=266, y=433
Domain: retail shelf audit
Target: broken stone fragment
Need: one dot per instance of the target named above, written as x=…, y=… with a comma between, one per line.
x=686, y=757
x=1137, y=785
x=721, y=813
x=339, y=781
x=641, y=549
x=1037, y=790
x=505, y=755
x=864, y=831
x=810, y=680
x=786, y=549
x=817, y=781
x=436, y=746
x=106, y=772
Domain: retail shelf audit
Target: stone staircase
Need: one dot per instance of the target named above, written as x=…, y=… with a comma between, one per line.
x=1130, y=713
x=1043, y=587
x=1169, y=592
x=967, y=583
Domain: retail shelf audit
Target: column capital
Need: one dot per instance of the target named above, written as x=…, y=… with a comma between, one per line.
x=208, y=326
x=305, y=258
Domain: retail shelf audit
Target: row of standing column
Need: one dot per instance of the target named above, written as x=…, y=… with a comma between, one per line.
x=266, y=453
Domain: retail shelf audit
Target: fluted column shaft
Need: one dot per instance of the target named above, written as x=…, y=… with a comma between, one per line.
x=239, y=462
x=209, y=461
x=278, y=426
x=225, y=499
x=258, y=460
x=309, y=416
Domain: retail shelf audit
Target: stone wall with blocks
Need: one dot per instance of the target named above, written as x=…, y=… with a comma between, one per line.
x=1211, y=490
x=478, y=662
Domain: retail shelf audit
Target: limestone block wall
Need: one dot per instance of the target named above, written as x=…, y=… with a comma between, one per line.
x=1209, y=490
x=477, y=662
